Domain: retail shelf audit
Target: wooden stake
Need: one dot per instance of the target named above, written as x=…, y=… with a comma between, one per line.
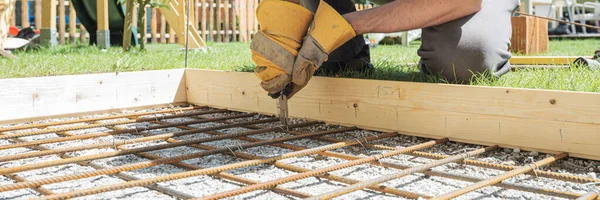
x=48, y=28
x=102, y=33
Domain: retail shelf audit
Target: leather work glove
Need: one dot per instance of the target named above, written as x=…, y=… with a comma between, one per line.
x=283, y=25
x=328, y=31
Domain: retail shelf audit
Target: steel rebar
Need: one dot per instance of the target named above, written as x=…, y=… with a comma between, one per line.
x=114, y=143
x=213, y=170
x=380, y=188
x=30, y=126
x=316, y=172
x=593, y=194
x=502, y=177
x=141, y=149
x=87, y=126
x=117, y=132
x=541, y=173
x=400, y=174
x=167, y=160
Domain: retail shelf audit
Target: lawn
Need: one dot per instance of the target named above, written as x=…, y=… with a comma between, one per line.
x=391, y=63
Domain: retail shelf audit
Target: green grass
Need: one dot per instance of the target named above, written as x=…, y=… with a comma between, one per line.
x=392, y=62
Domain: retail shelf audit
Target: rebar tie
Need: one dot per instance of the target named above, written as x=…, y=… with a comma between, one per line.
x=593, y=187
x=361, y=144
x=532, y=168
x=232, y=153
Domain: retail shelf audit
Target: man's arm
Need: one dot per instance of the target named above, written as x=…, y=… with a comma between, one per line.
x=403, y=15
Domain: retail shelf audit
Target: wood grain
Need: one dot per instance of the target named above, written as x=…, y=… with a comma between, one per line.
x=41, y=96
x=542, y=120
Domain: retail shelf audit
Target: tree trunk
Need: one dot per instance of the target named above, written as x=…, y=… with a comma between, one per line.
x=128, y=25
x=142, y=23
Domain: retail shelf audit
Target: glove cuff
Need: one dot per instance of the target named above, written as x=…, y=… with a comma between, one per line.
x=330, y=29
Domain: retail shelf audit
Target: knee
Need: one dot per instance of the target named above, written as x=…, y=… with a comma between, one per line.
x=474, y=55
x=462, y=64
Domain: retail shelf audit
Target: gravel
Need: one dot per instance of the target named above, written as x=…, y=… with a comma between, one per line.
x=206, y=185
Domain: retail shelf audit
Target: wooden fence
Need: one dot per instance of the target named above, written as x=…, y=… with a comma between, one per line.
x=217, y=20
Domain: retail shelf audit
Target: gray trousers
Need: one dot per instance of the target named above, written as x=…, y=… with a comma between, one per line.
x=474, y=44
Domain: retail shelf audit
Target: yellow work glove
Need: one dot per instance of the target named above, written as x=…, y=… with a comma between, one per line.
x=328, y=31
x=283, y=25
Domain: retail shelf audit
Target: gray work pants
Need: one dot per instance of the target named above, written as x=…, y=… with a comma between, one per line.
x=474, y=44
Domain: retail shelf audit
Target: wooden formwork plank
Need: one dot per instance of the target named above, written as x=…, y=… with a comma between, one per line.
x=544, y=60
x=31, y=97
x=542, y=120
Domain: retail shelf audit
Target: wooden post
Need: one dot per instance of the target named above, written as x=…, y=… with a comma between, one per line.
x=163, y=29
x=48, y=29
x=529, y=35
x=171, y=35
x=249, y=18
x=38, y=14
x=153, y=25
x=243, y=23
x=203, y=23
x=234, y=9
x=72, y=23
x=103, y=33
x=218, y=16
x=226, y=23
x=25, y=13
x=196, y=8
x=254, y=20
x=62, y=22
x=211, y=20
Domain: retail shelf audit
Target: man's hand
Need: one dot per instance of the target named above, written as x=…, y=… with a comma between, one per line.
x=328, y=31
x=283, y=25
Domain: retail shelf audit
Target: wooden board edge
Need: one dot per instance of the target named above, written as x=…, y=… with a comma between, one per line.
x=240, y=91
x=28, y=98
x=544, y=60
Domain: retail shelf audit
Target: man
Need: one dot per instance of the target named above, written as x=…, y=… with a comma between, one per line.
x=460, y=38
